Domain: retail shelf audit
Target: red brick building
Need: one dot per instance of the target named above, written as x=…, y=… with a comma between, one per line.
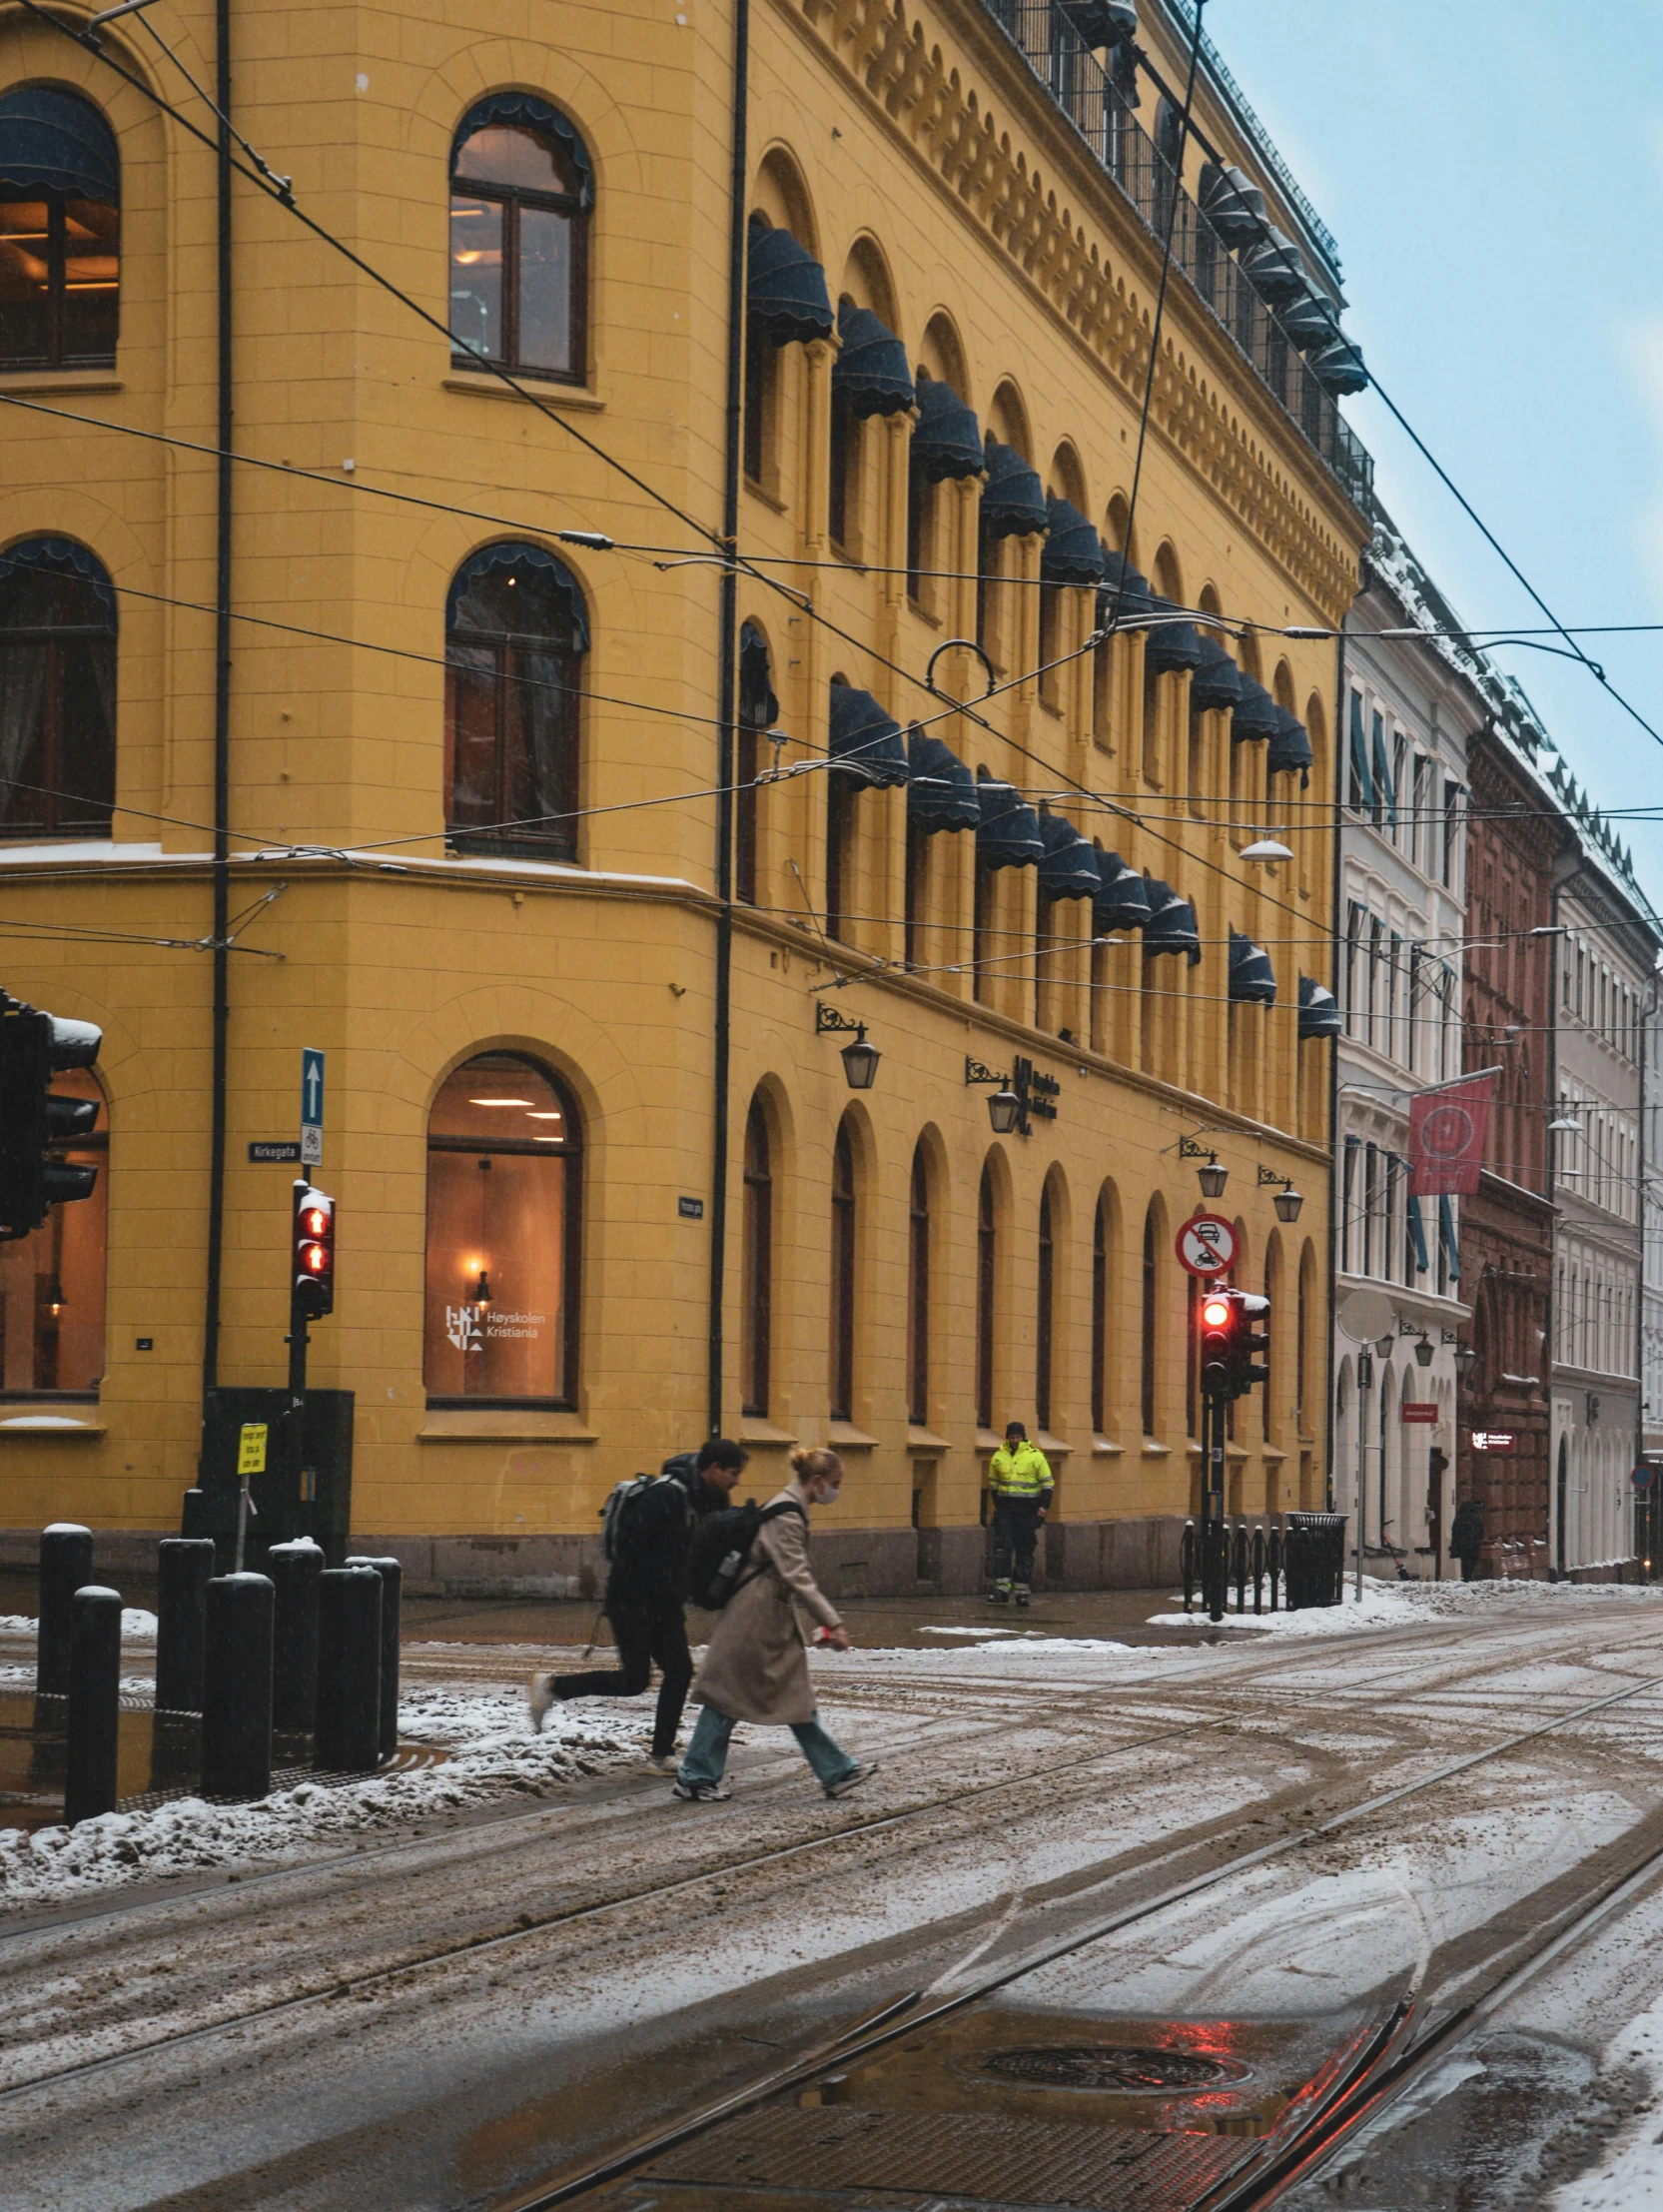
x=1506, y=1229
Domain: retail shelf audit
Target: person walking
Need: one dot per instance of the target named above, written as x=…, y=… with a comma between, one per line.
x=646, y=1590
x=1019, y=1478
x=755, y=1666
x=1466, y=1536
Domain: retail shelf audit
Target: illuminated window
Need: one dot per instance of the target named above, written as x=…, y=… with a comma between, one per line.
x=52, y=1283
x=60, y=231
x=521, y=194
x=505, y=1197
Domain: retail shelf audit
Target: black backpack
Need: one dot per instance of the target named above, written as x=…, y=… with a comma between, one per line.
x=636, y=1512
x=722, y=1544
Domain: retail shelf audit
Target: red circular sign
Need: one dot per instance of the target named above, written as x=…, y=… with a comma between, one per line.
x=1206, y=1245
x=1447, y=1131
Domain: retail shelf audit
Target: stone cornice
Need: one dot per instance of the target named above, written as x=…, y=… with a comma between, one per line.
x=1086, y=276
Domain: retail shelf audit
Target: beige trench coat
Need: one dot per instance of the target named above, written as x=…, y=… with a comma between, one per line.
x=755, y=1666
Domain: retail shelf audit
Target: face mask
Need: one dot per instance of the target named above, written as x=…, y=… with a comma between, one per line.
x=824, y=1495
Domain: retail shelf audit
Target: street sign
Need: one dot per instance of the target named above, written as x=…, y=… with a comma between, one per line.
x=1644, y=1476
x=1206, y=1245
x=1412, y=1411
x=312, y=1107
x=274, y=1152
x=1493, y=1440
x=251, y=1448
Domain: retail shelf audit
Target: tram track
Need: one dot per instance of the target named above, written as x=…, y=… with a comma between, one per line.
x=1407, y=2034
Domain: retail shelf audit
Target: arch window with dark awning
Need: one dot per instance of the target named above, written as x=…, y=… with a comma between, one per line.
x=1233, y=203
x=758, y=712
x=1067, y=863
x=1125, y=596
x=60, y=231
x=1291, y=748
x=1172, y=924
x=1172, y=646
x=866, y=745
x=1007, y=832
x=1073, y=551
x=1101, y=23
x=1275, y=268
x=1216, y=685
x=1319, y=1010
x=1340, y=369
x=947, y=440
x=1254, y=718
x=1122, y=900
x=521, y=197
x=1013, y=499
x=785, y=288
x=871, y=375
x=1252, y=980
x=941, y=792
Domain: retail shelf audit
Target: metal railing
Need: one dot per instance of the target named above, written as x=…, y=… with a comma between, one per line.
x=1296, y=1566
x=1099, y=111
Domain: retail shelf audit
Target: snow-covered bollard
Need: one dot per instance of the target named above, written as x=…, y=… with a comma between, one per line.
x=237, y=1688
x=392, y=1574
x=66, y=1564
x=349, y=1734
x=295, y=1569
x=94, y=1717
x=184, y=1566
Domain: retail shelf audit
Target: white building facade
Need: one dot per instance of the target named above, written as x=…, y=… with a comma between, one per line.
x=1405, y=708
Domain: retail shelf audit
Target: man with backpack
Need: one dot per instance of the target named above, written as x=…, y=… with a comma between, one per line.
x=648, y=1526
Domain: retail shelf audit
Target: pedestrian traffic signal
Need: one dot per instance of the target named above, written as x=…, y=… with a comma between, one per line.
x=34, y=1126
x=1234, y=1343
x=313, y=1278
x=1216, y=1316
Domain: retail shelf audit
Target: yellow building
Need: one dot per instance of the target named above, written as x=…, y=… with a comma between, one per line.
x=478, y=652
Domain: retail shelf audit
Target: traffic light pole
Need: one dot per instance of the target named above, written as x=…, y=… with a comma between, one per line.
x=1214, y=1550
x=295, y=1415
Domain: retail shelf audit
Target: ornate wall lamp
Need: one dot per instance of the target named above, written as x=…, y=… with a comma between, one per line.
x=860, y=1060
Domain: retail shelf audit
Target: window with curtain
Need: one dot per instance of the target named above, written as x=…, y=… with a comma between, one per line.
x=756, y=1265
x=987, y=1256
x=918, y=1293
x=505, y=1195
x=521, y=199
x=52, y=1281
x=57, y=691
x=842, y=1305
x=60, y=231
x=515, y=637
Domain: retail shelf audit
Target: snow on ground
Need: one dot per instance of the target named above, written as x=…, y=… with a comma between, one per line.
x=137, y=1625
x=1629, y=2178
x=494, y=1755
x=1409, y=1605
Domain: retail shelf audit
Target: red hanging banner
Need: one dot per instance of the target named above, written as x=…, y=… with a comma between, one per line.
x=1447, y=1128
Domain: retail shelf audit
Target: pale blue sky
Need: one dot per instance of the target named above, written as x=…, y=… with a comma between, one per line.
x=1493, y=173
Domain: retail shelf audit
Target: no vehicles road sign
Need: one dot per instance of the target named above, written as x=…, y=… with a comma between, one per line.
x=1206, y=1245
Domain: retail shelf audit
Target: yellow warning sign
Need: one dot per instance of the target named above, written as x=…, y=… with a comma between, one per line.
x=250, y=1452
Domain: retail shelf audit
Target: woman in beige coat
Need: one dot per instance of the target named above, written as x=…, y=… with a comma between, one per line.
x=755, y=1666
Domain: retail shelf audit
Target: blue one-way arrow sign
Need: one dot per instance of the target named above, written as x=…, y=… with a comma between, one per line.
x=312, y=1107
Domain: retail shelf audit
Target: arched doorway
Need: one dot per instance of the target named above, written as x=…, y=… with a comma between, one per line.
x=1562, y=1496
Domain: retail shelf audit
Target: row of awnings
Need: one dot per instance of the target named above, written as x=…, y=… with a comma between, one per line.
x=943, y=795
x=1275, y=268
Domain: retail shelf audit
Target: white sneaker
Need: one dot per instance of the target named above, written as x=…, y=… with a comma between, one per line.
x=540, y=1696
x=702, y=1793
x=851, y=1780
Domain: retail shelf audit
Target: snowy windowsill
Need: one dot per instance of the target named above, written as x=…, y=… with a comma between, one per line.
x=51, y=1425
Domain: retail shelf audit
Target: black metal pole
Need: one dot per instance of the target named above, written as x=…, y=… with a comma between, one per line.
x=1214, y=1543
x=295, y=1569
x=347, y=1739
x=184, y=1568
x=293, y=1441
x=237, y=1688
x=726, y=703
x=94, y=1719
x=66, y=1565
x=392, y=1574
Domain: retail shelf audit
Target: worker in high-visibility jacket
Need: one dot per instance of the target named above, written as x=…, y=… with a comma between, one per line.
x=1018, y=1479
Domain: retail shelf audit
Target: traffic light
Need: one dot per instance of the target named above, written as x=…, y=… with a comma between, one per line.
x=35, y=1046
x=1250, y=1344
x=314, y=1275
x=1216, y=1317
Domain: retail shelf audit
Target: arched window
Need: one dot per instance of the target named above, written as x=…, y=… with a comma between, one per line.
x=756, y=1263
x=1151, y=1316
x=52, y=1282
x=918, y=1293
x=57, y=691
x=987, y=1252
x=758, y=712
x=522, y=194
x=515, y=633
x=843, y=1278
x=504, y=1208
x=1099, y=1316
x=1043, y=1311
x=60, y=231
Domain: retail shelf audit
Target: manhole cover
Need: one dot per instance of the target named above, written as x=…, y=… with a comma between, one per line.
x=1108, y=2066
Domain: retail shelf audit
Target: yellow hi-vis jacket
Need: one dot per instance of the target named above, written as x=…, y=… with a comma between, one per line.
x=1024, y=1473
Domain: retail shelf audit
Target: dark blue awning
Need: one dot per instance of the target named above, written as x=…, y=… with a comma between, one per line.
x=785, y=289
x=1008, y=834
x=1101, y=22
x=947, y=440
x=1072, y=550
x=1122, y=901
x=1256, y=716
x=942, y=793
x=1170, y=647
x=1319, y=1010
x=1448, y=1238
x=1310, y=322
x=1132, y=586
x=1275, y=268
x=1013, y=499
x=1232, y=203
x=1069, y=867
x=52, y=141
x=61, y=557
x=758, y=707
x=864, y=740
x=1252, y=980
x=1172, y=924
x=1216, y=681
x=1338, y=367
x=871, y=370
x=524, y=108
x=531, y=561
x=1289, y=749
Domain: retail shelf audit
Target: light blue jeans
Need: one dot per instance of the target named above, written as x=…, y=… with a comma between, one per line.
x=706, y=1758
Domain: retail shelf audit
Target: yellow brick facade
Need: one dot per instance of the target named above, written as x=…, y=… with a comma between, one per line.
x=912, y=152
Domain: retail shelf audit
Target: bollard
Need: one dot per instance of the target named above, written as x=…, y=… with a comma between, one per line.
x=66, y=1565
x=184, y=1567
x=348, y=1732
x=1187, y=1562
x=1273, y=1563
x=392, y=1574
x=1241, y=1566
x=295, y=1569
x=1259, y=1570
x=237, y=1688
x=94, y=1703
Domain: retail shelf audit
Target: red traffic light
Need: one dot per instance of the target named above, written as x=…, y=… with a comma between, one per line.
x=315, y=1221
x=1216, y=1312
x=314, y=1251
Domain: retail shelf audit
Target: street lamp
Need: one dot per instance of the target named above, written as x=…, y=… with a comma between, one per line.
x=1212, y=1177
x=1004, y=1110
x=1466, y=1359
x=1287, y=1200
x=860, y=1059
x=1424, y=1351
x=1383, y=1348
